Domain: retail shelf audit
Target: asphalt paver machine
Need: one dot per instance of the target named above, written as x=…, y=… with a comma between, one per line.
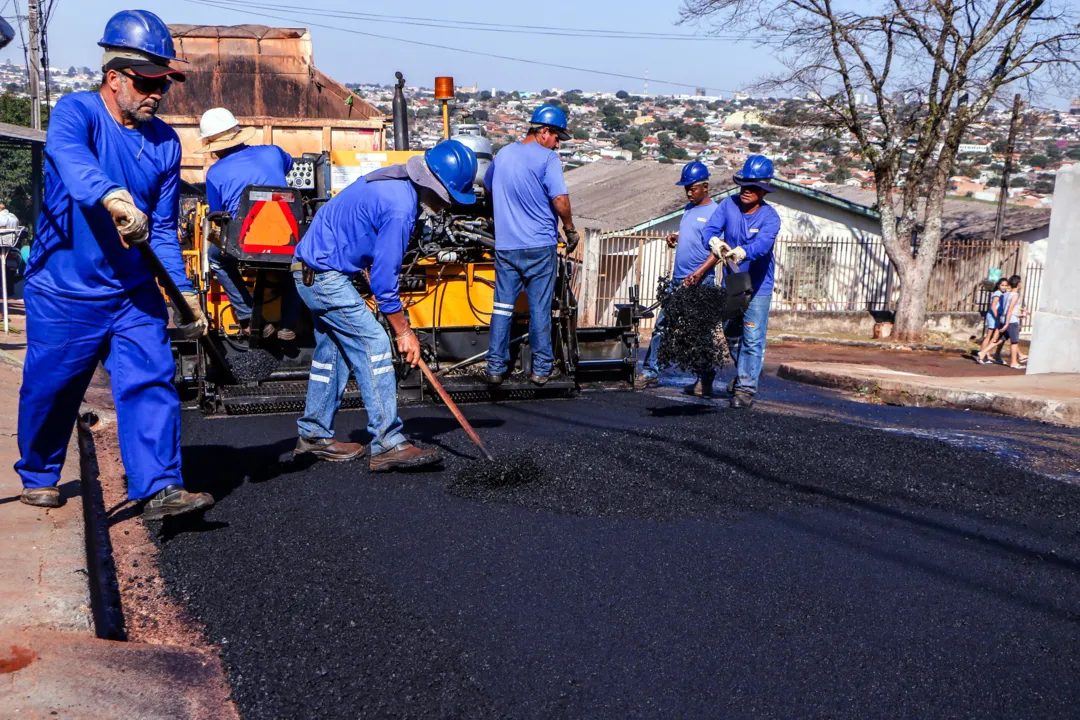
x=447, y=287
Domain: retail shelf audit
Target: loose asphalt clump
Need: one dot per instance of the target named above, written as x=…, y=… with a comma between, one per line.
x=693, y=335
x=631, y=556
x=253, y=365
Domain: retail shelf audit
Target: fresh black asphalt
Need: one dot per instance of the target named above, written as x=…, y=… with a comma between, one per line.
x=632, y=556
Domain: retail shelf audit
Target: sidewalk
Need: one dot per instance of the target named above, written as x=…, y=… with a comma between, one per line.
x=51, y=663
x=1052, y=398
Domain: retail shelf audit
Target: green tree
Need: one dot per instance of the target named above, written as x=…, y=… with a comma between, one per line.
x=1039, y=160
x=572, y=98
x=485, y=95
x=622, y=94
x=580, y=133
x=1019, y=181
x=16, y=177
x=699, y=133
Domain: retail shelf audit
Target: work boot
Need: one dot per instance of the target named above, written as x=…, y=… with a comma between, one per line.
x=46, y=497
x=495, y=379
x=649, y=381
x=175, y=500
x=402, y=457
x=742, y=400
x=707, y=390
x=542, y=380
x=328, y=449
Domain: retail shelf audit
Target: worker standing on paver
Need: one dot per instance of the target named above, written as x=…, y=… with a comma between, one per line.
x=690, y=253
x=112, y=178
x=529, y=196
x=365, y=229
x=238, y=166
x=743, y=230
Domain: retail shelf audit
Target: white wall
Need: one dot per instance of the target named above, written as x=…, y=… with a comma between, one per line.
x=1055, y=339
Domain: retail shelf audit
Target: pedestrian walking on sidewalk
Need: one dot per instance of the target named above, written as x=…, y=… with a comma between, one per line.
x=993, y=322
x=690, y=253
x=1010, y=315
x=743, y=230
x=112, y=178
x=364, y=229
x=529, y=197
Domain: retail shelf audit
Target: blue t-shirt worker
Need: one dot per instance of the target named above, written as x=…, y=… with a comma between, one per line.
x=691, y=252
x=112, y=178
x=239, y=165
x=365, y=229
x=743, y=230
x=529, y=196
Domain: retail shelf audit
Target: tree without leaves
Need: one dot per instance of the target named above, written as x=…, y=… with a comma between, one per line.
x=931, y=68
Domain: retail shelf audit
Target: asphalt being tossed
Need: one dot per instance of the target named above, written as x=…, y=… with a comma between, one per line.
x=631, y=556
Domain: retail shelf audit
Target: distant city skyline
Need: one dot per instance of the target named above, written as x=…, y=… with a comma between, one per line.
x=716, y=64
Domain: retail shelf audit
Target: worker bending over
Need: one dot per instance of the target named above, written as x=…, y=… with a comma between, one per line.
x=238, y=166
x=528, y=192
x=691, y=251
x=112, y=177
x=743, y=230
x=366, y=228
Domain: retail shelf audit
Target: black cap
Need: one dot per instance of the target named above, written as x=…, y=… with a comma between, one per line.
x=145, y=67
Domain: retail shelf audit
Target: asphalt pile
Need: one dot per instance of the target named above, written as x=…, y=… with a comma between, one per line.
x=693, y=335
x=628, y=556
x=253, y=365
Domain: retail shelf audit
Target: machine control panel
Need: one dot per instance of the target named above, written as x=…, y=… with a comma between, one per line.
x=302, y=175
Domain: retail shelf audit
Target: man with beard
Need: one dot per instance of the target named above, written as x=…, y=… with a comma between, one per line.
x=112, y=178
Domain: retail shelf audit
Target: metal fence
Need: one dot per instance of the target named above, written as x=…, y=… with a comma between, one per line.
x=821, y=274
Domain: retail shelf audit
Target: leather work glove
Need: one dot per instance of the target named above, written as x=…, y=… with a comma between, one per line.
x=199, y=325
x=736, y=255
x=214, y=236
x=130, y=221
x=573, y=237
x=719, y=248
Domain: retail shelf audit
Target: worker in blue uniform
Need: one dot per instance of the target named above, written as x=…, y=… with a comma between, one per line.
x=365, y=229
x=743, y=230
x=690, y=253
x=112, y=177
x=237, y=166
x=529, y=197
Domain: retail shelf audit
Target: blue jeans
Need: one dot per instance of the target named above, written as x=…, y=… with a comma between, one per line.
x=232, y=282
x=534, y=270
x=348, y=338
x=649, y=366
x=746, y=339
x=66, y=337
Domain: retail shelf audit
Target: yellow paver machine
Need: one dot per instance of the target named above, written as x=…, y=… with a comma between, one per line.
x=447, y=287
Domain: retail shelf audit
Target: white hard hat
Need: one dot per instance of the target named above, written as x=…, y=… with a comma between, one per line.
x=216, y=121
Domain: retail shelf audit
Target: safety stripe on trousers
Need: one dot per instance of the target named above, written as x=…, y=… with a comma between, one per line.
x=322, y=366
x=507, y=313
x=319, y=378
x=508, y=306
x=381, y=370
x=379, y=357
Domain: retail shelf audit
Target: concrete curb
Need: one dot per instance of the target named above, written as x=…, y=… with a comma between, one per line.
x=868, y=344
x=910, y=391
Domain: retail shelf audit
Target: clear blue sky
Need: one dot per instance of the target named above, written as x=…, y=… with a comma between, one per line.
x=718, y=64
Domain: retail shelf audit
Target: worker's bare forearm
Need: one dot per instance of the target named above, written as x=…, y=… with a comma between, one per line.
x=708, y=265
x=562, y=208
x=398, y=323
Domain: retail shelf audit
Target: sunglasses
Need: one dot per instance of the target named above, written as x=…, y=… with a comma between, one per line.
x=148, y=86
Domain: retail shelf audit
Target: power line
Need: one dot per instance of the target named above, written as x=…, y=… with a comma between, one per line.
x=437, y=46
x=488, y=27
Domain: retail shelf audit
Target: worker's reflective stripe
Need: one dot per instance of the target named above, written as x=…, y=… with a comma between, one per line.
x=381, y=370
x=322, y=366
x=507, y=313
x=508, y=306
x=380, y=356
x=319, y=378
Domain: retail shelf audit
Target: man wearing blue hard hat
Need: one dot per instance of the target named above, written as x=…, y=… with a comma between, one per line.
x=112, y=179
x=743, y=230
x=529, y=196
x=366, y=228
x=690, y=253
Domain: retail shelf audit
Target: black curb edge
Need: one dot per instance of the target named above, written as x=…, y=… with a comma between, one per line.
x=105, y=606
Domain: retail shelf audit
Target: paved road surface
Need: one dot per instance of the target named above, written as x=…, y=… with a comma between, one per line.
x=645, y=556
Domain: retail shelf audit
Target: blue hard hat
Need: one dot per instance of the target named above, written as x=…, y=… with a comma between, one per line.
x=757, y=171
x=455, y=167
x=552, y=116
x=139, y=30
x=693, y=172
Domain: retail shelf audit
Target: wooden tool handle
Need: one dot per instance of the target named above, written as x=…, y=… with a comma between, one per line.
x=454, y=409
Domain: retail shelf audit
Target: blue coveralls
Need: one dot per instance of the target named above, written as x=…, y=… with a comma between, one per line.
x=524, y=179
x=226, y=179
x=88, y=299
x=756, y=234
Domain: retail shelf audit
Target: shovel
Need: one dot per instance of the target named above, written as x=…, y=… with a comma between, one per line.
x=739, y=291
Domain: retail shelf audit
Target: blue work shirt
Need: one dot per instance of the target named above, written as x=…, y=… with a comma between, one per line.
x=88, y=154
x=524, y=179
x=242, y=166
x=756, y=233
x=366, y=226
x=691, y=253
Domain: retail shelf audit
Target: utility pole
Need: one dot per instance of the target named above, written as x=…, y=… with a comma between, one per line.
x=34, y=20
x=1010, y=147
